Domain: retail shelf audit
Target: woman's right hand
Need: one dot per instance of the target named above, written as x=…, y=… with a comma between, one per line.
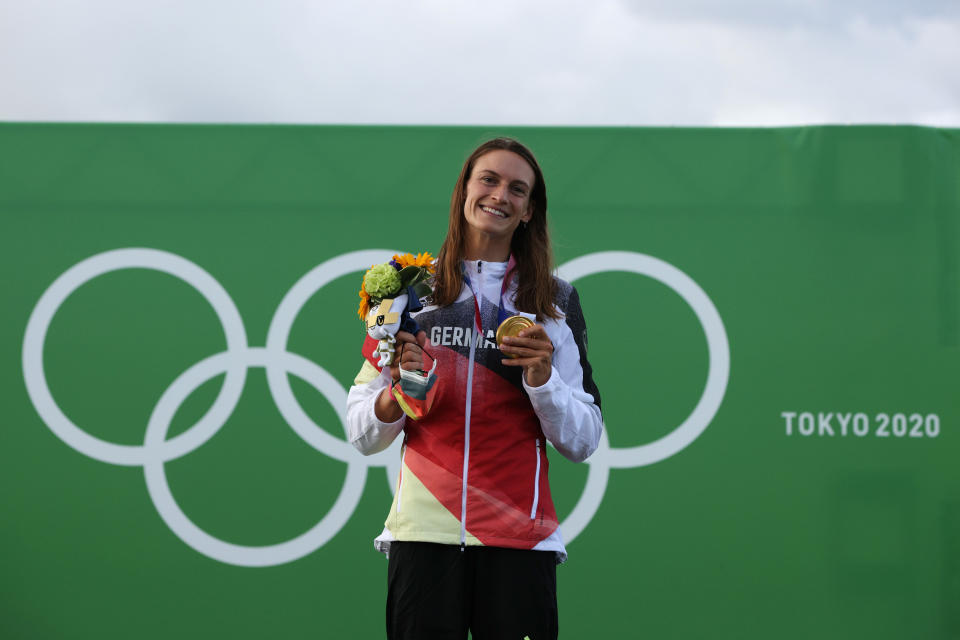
x=409, y=348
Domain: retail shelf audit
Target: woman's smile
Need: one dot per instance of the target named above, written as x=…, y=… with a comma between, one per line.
x=494, y=212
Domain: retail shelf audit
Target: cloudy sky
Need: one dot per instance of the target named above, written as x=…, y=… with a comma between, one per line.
x=607, y=62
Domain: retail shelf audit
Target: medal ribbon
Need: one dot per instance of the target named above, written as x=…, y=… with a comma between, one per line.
x=501, y=311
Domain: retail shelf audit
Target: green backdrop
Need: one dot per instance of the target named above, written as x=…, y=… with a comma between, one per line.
x=816, y=497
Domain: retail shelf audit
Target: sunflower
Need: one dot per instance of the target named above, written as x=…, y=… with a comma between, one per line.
x=364, y=303
x=419, y=260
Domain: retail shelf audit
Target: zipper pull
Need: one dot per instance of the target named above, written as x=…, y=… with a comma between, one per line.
x=479, y=266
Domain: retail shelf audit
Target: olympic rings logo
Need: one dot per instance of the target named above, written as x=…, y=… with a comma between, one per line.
x=156, y=449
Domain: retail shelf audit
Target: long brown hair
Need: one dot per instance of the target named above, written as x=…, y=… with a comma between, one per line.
x=530, y=244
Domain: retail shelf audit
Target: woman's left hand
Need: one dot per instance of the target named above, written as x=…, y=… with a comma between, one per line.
x=534, y=352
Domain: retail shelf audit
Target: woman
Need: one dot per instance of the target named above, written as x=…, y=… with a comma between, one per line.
x=472, y=535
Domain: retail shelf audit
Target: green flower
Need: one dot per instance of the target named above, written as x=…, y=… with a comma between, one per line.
x=381, y=281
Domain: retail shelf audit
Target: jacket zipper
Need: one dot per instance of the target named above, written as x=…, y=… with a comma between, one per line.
x=536, y=485
x=466, y=443
x=466, y=419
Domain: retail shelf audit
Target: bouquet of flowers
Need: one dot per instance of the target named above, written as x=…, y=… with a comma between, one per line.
x=389, y=292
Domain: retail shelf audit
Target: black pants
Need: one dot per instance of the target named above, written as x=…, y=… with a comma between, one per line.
x=438, y=592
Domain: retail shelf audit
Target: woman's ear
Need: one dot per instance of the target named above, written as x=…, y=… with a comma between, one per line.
x=527, y=212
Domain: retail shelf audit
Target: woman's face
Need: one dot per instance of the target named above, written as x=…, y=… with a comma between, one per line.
x=498, y=194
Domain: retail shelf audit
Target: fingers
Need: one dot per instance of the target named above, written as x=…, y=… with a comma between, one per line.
x=412, y=358
x=531, y=342
x=532, y=350
x=410, y=350
x=419, y=340
x=526, y=347
x=406, y=336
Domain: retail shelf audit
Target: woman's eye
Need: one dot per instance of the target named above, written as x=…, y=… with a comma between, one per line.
x=520, y=191
x=486, y=180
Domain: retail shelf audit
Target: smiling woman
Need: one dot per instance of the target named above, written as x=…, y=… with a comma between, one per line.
x=472, y=536
x=529, y=244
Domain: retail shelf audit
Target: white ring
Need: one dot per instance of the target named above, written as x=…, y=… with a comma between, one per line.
x=70, y=281
x=597, y=478
x=197, y=538
x=278, y=362
x=718, y=348
x=278, y=335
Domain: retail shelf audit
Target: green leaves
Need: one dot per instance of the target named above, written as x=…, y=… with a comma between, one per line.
x=413, y=275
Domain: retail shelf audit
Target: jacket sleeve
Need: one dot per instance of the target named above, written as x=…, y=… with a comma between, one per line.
x=367, y=432
x=568, y=404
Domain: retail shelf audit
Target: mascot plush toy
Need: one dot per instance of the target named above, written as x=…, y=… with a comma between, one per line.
x=389, y=294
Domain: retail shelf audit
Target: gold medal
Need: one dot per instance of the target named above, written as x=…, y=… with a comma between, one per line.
x=511, y=327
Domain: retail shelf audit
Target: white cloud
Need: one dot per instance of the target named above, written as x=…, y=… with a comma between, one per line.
x=497, y=62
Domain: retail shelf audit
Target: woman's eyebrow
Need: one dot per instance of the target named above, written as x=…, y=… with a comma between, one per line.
x=517, y=181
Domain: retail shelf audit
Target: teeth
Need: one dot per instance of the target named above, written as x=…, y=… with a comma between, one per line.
x=495, y=212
